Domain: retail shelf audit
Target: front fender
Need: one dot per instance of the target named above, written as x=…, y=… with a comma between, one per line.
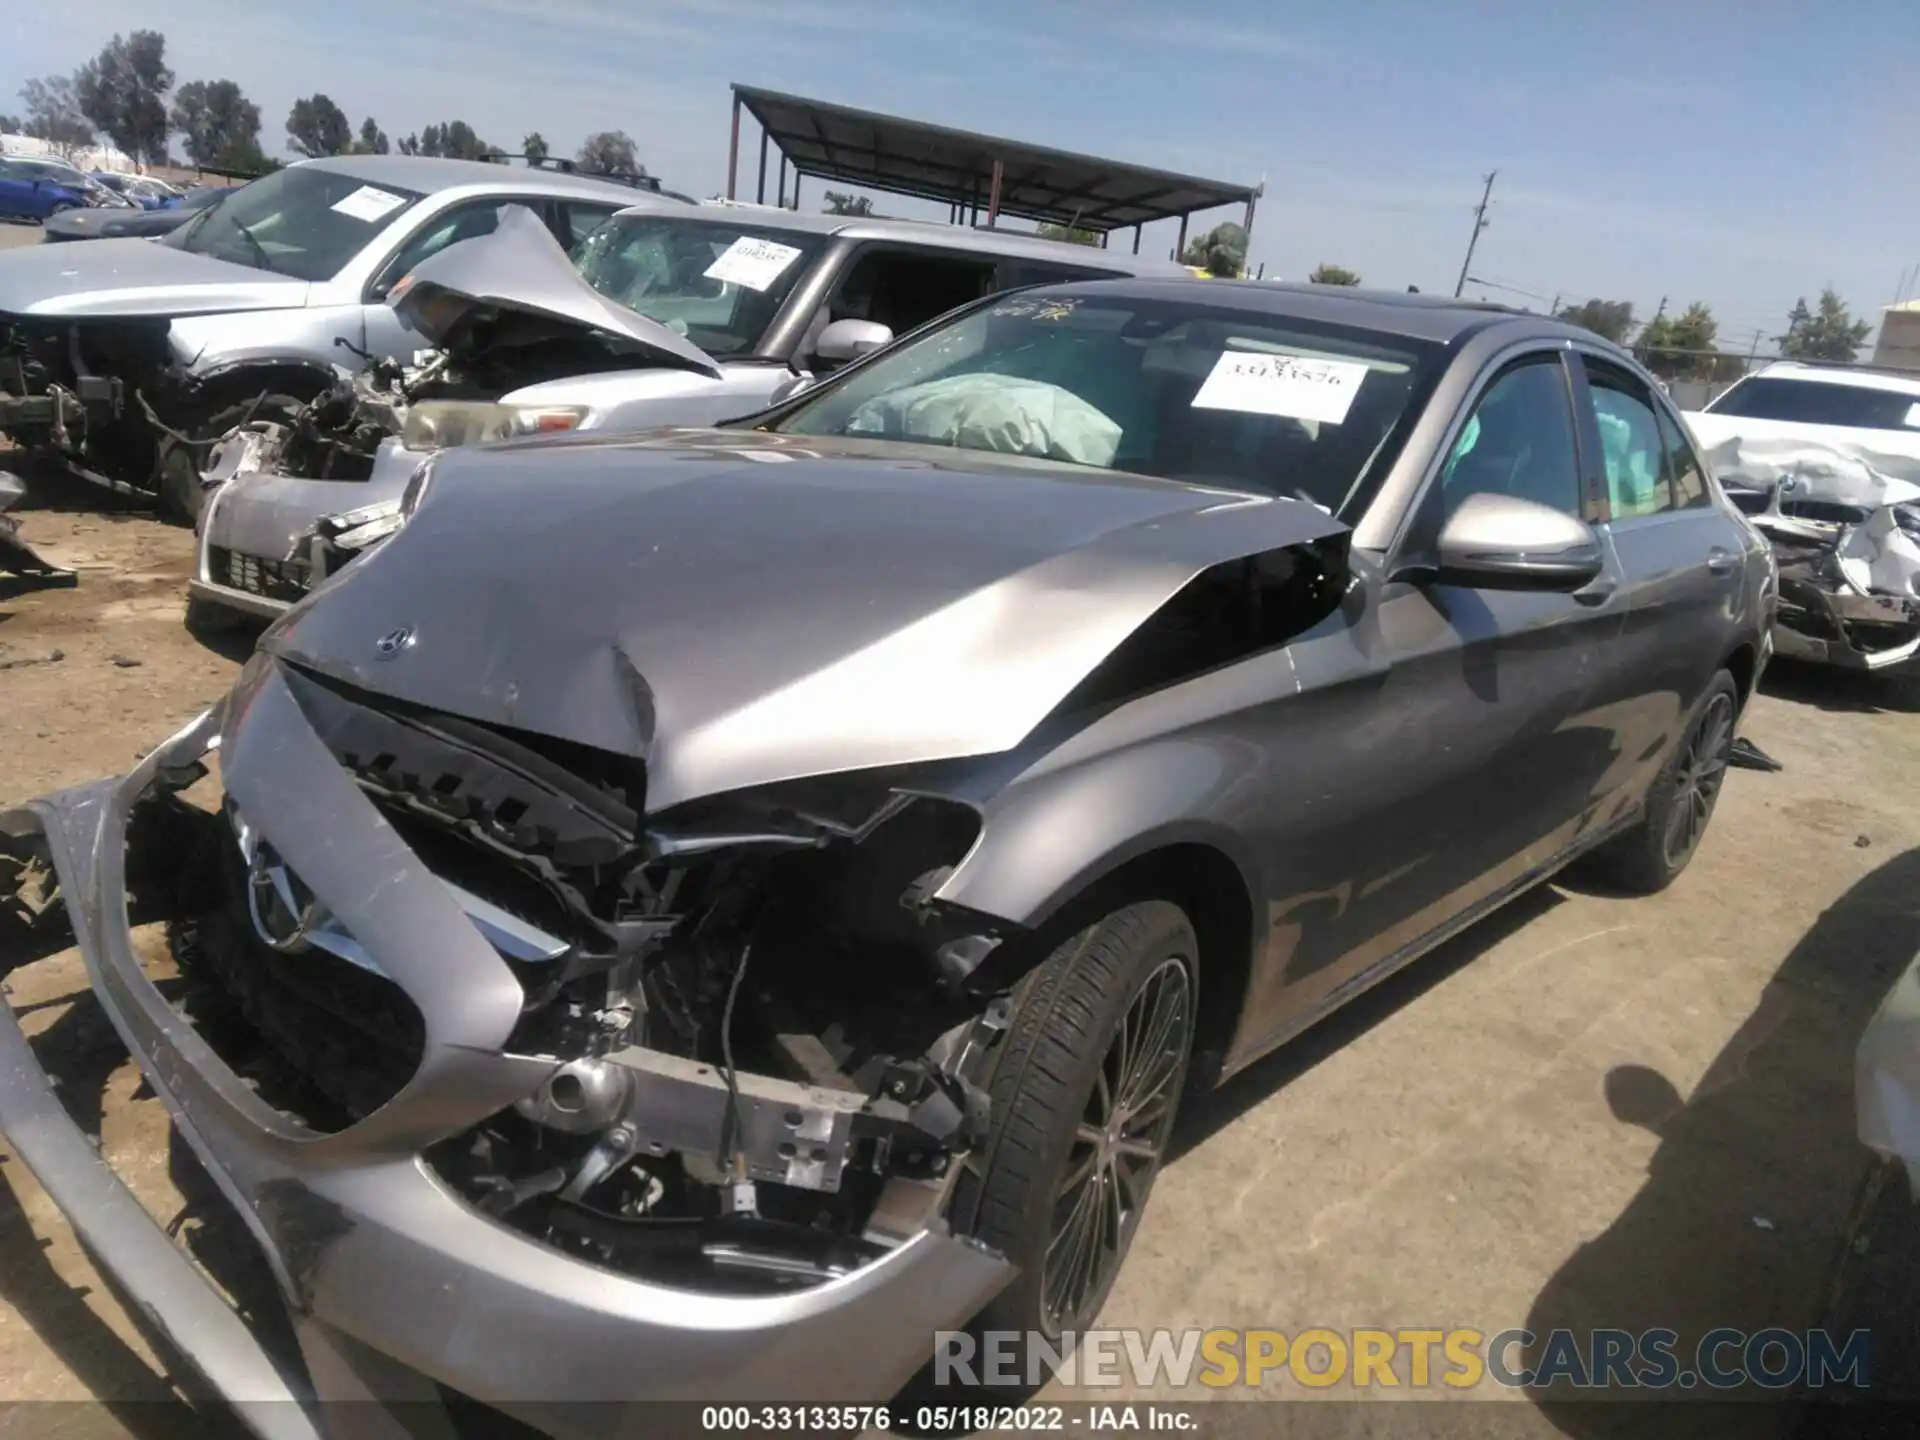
x=1048, y=839
x=206, y=345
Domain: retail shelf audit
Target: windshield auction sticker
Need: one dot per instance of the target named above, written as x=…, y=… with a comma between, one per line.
x=369, y=204
x=1285, y=385
x=753, y=263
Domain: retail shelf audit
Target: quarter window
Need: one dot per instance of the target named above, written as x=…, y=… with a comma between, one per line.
x=1683, y=466
x=1518, y=441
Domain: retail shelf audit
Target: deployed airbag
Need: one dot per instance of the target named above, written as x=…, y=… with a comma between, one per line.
x=1001, y=413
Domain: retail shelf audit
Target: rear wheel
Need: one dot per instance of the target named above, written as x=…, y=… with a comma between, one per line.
x=1650, y=857
x=1083, y=1100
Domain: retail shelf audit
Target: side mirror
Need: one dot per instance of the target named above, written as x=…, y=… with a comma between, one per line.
x=1501, y=542
x=845, y=340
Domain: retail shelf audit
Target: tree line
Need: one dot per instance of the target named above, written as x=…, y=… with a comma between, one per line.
x=1685, y=346
x=122, y=95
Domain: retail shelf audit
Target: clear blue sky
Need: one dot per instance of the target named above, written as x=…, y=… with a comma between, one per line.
x=1740, y=154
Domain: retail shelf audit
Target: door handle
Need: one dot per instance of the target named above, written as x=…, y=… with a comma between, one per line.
x=1720, y=561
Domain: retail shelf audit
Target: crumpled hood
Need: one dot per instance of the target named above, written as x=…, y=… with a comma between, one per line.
x=520, y=271
x=739, y=608
x=132, y=278
x=1868, y=468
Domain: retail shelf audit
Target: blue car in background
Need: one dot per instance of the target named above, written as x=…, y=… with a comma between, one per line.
x=33, y=189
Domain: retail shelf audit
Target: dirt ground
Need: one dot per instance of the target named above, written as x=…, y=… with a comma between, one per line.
x=1588, y=1111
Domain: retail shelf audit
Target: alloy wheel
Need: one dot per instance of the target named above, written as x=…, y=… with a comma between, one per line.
x=1117, y=1147
x=1703, y=766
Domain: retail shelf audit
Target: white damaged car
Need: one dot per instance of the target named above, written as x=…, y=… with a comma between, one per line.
x=1825, y=460
x=666, y=315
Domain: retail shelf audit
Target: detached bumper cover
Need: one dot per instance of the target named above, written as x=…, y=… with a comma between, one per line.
x=1887, y=1076
x=260, y=547
x=371, y=1252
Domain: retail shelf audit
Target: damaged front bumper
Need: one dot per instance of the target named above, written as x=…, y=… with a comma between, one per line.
x=392, y=1280
x=266, y=540
x=1849, y=588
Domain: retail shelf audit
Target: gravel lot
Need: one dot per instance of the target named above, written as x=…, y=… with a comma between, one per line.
x=1587, y=1111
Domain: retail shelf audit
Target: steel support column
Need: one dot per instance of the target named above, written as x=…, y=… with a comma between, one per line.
x=733, y=150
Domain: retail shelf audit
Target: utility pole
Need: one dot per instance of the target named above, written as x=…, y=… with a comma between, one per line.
x=1479, y=224
x=1553, y=309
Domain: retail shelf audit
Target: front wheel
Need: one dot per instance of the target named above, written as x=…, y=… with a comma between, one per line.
x=1083, y=1100
x=183, y=459
x=1650, y=857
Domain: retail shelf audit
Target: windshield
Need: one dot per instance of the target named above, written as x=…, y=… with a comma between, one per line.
x=1178, y=389
x=718, y=285
x=1820, y=402
x=303, y=221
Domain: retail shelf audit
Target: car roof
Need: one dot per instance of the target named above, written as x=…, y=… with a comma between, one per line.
x=913, y=232
x=430, y=174
x=1387, y=312
x=1842, y=375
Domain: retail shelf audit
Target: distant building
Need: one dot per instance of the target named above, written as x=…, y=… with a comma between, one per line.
x=87, y=157
x=1899, y=343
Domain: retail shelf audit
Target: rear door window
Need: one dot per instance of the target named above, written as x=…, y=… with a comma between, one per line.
x=1684, y=469
x=1632, y=451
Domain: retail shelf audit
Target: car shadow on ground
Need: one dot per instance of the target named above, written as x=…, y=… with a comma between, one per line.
x=1847, y=691
x=233, y=641
x=1203, y=1115
x=1757, y=1176
x=55, y=490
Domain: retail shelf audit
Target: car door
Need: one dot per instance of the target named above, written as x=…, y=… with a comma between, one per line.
x=580, y=218
x=16, y=191
x=1679, y=555
x=1485, y=766
x=899, y=286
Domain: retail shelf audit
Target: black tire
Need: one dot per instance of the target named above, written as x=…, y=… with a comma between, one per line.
x=1062, y=1061
x=179, y=465
x=1649, y=857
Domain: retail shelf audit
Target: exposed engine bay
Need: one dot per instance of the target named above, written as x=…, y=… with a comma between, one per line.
x=767, y=1042
x=443, y=398
x=82, y=388
x=1846, y=534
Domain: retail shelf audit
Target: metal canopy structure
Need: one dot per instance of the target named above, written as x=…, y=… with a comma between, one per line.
x=970, y=173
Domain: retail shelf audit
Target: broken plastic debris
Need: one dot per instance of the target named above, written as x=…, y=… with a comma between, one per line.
x=1745, y=755
x=1760, y=1222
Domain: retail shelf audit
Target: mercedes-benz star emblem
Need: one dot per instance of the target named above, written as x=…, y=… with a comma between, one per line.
x=282, y=914
x=394, y=642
